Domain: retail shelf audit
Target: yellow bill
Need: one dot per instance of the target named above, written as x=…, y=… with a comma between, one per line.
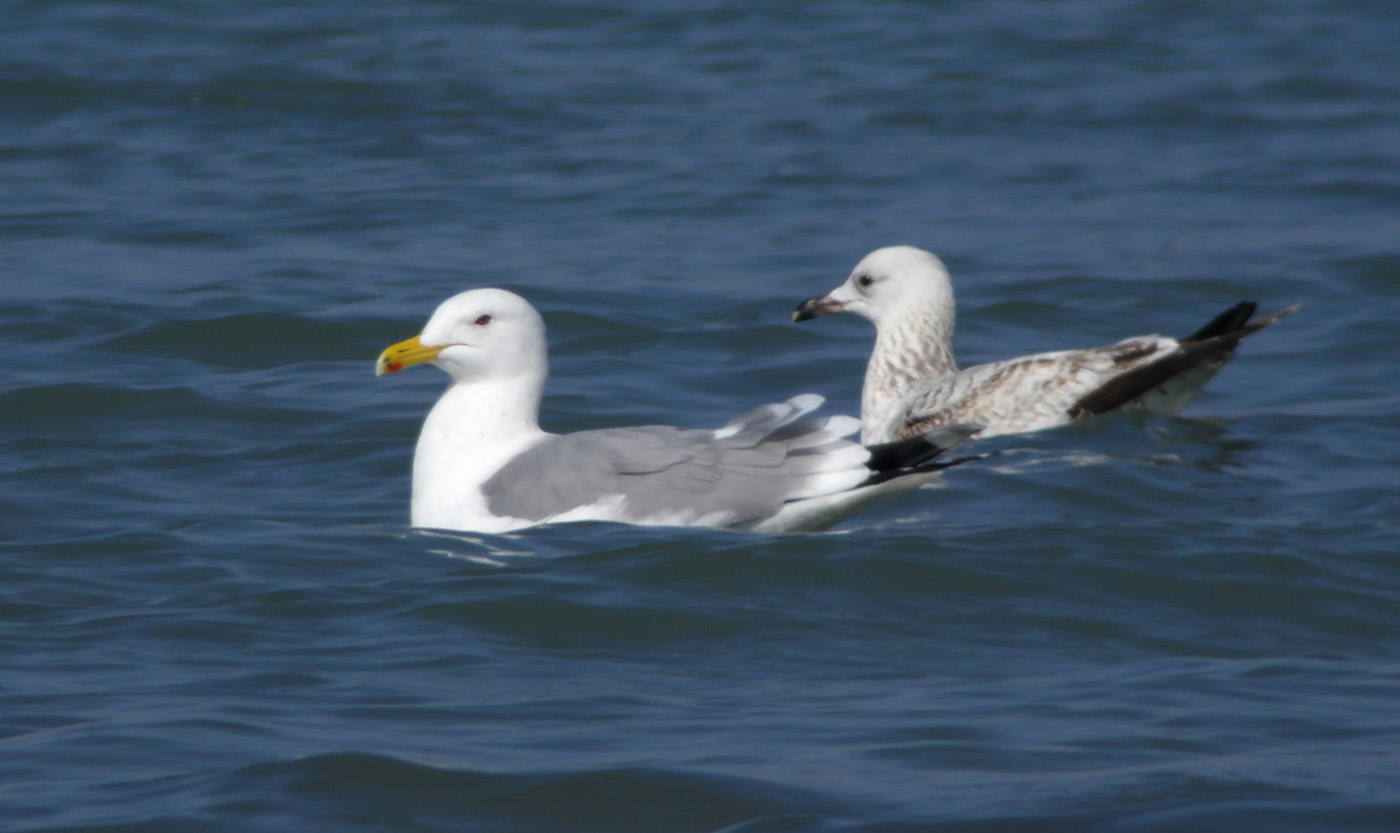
x=404, y=354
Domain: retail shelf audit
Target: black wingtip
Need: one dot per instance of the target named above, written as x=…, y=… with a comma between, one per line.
x=1231, y=320
x=917, y=451
x=1216, y=338
x=900, y=454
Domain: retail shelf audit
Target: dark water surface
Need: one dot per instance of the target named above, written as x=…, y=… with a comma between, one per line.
x=215, y=214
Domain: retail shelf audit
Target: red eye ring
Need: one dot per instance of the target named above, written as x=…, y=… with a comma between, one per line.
x=483, y=321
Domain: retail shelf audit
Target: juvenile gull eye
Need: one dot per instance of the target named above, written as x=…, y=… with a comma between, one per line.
x=865, y=280
x=482, y=321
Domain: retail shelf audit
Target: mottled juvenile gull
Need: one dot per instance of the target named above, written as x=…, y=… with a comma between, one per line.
x=913, y=385
x=483, y=464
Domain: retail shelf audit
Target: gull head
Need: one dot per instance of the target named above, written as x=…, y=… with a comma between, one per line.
x=888, y=283
x=479, y=334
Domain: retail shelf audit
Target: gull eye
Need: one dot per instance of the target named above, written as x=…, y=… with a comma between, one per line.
x=483, y=320
x=865, y=280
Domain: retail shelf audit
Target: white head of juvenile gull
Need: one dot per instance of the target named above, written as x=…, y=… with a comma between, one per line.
x=906, y=293
x=483, y=463
x=912, y=383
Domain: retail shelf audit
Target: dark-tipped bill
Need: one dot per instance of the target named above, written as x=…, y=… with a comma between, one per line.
x=404, y=354
x=813, y=307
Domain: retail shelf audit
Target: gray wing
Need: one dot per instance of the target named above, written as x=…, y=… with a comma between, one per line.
x=735, y=476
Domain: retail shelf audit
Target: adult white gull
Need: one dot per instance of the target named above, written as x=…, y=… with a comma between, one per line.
x=483, y=463
x=913, y=385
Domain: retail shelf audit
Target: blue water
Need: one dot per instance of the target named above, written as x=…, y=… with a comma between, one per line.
x=213, y=616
